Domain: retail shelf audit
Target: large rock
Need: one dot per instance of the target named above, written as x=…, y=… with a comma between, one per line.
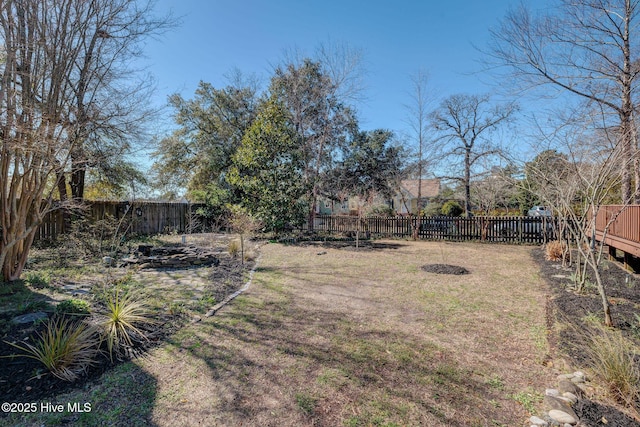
x=561, y=409
x=563, y=417
x=30, y=318
x=566, y=386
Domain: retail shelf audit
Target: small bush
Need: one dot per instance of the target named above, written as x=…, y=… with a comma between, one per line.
x=234, y=248
x=65, y=348
x=555, y=250
x=37, y=279
x=452, y=208
x=381, y=210
x=432, y=209
x=120, y=325
x=32, y=305
x=613, y=360
x=73, y=306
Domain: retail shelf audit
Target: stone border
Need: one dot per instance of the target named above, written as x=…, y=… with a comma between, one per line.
x=244, y=288
x=558, y=402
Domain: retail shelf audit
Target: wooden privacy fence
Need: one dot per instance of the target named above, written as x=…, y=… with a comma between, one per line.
x=531, y=230
x=134, y=218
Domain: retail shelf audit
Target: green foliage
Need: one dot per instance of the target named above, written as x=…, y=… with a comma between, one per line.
x=37, y=279
x=452, y=208
x=528, y=399
x=211, y=128
x=432, y=209
x=120, y=325
x=31, y=305
x=65, y=348
x=306, y=403
x=73, y=307
x=371, y=165
x=267, y=170
x=381, y=210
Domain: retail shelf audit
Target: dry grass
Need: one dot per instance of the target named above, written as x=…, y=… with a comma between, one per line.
x=364, y=338
x=613, y=359
x=555, y=251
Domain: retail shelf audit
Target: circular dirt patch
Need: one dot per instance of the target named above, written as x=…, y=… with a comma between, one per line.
x=445, y=269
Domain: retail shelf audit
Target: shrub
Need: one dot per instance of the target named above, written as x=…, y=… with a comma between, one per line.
x=432, y=209
x=30, y=305
x=73, y=307
x=613, y=360
x=65, y=348
x=555, y=250
x=120, y=325
x=37, y=279
x=381, y=210
x=452, y=208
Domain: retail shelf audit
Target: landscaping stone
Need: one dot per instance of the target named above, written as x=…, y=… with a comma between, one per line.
x=558, y=402
x=563, y=417
x=171, y=257
x=538, y=422
x=567, y=386
x=30, y=317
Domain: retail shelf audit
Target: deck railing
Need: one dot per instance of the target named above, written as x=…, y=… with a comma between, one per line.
x=619, y=227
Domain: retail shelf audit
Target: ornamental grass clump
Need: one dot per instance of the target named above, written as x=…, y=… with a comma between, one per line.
x=555, y=251
x=66, y=348
x=120, y=323
x=614, y=360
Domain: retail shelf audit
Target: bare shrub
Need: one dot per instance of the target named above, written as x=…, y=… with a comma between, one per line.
x=233, y=248
x=555, y=251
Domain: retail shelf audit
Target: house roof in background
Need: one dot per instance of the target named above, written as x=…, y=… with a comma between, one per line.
x=430, y=187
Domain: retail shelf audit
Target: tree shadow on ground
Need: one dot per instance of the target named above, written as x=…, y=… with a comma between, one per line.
x=374, y=373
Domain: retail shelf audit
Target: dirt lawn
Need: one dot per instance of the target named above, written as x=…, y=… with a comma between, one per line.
x=330, y=336
x=338, y=337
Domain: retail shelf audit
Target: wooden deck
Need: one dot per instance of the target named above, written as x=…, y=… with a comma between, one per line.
x=623, y=232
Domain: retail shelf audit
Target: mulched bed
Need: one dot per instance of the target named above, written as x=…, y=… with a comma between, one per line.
x=25, y=380
x=569, y=307
x=445, y=269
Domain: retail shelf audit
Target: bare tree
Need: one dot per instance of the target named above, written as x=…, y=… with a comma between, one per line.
x=575, y=181
x=58, y=86
x=464, y=124
x=496, y=189
x=583, y=48
x=418, y=109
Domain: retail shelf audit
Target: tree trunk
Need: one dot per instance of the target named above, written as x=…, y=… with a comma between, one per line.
x=78, y=182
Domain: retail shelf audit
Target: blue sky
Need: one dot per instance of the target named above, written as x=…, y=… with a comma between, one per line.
x=397, y=39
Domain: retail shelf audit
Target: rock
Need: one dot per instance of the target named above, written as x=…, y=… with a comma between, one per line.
x=565, y=377
x=538, y=422
x=551, y=403
x=30, y=317
x=565, y=386
x=552, y=392
x=563, y=417
x=572, y=397
x=565, y=399
x=577, y=380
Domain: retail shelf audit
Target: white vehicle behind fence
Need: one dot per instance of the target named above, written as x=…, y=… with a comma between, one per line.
x=539, y=211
